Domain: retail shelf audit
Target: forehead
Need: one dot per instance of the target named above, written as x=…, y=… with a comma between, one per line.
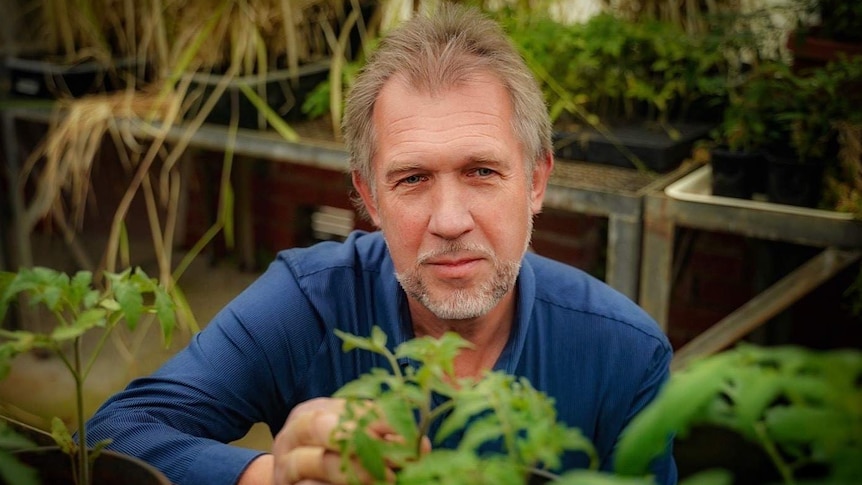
x=473, y=114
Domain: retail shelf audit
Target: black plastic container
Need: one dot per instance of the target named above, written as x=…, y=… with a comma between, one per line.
x=46, y=79
x=655, y=148
x=737, y=174
x=793, y=182
x=282, y=92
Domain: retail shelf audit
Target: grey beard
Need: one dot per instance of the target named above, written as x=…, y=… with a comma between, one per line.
x=462, y=304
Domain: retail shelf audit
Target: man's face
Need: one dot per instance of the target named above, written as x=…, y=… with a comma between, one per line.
x=451, y=194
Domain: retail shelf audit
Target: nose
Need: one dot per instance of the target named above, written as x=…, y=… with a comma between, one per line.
x=451, y=215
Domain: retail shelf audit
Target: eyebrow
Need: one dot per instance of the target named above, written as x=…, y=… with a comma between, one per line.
x=407, y=167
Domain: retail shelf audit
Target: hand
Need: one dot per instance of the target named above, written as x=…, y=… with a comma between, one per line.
x=304, y=451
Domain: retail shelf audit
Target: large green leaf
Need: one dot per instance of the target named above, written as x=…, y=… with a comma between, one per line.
x=13, y=471
x=677, y=406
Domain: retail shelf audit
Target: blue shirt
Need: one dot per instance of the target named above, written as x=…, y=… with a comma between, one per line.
x=595, y=352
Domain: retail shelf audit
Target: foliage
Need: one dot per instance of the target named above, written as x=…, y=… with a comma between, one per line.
x=795, y=113
x=79, y=308
x=11, y=470
x=616, y=68
x=844, y=182
x=498, y=408
x=801, y=406
x=840, y=20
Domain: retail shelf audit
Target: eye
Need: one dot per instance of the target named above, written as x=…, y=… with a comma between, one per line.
x=484, y=172
x=411, y=179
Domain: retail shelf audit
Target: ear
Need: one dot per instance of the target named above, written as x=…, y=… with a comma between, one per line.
x=364, y=189
x=541, y=175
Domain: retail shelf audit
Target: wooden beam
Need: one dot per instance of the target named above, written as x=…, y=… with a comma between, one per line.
x=766, y=305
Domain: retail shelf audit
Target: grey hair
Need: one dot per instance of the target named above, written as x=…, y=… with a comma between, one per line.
x=433, y=53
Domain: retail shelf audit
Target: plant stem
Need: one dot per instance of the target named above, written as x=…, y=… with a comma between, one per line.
x=769, y=447
x=83, y=462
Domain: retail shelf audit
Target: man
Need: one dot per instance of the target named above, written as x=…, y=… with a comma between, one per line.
x=449, y=140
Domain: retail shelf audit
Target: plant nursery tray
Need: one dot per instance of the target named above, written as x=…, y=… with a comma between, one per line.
x=656, y=149
x=696, y=187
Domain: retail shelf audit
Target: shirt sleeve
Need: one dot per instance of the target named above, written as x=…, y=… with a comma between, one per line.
x=243, y=368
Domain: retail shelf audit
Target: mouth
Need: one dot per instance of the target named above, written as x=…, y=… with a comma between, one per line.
x=454, y=267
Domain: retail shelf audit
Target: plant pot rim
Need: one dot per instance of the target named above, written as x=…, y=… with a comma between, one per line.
x=279, y=74
x=58, y=67
x=146, y=467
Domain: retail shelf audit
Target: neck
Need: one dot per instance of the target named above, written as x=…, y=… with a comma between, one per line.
x=487, y=334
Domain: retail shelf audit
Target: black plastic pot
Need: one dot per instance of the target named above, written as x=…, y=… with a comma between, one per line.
x=793, y=182
x=55, y=468
x=282, y=92
x=655, y=148
x=46, y=79
x=737, y=174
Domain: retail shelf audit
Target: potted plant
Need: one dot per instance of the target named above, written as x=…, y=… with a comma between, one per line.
x=76, y=48
x=620, y=90
x=80, y=310
x=278, y=50
x=738, y=165
x=799, y=406
x=802, y=110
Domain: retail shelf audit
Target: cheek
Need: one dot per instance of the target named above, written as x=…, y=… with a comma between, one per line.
x=402, y=225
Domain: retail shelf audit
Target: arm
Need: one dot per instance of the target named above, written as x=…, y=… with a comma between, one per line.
x=259, y=472
x=243, y=368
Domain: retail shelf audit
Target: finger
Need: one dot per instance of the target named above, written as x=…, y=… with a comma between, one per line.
x=312, y=428
x=317, y=464
x=309, y=463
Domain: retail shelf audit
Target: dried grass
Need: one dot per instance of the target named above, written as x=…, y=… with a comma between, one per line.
x=61, y=165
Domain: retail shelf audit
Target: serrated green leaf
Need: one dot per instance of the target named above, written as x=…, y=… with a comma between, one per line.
x=92, y=318
x=62, y=334
x=370, y=455
x=109, y=304
x=80, y=293
x=130, y=299
x=97, y=449
x=366, y=387
x=166, y=313
x=754, y=389
x=469, y=405
x=51, y=297
x=91, y=298
x=399, y=415
x=479, y=432
x=351, y=342
x=805, y=425
x=62, y=436
x=378, y=337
